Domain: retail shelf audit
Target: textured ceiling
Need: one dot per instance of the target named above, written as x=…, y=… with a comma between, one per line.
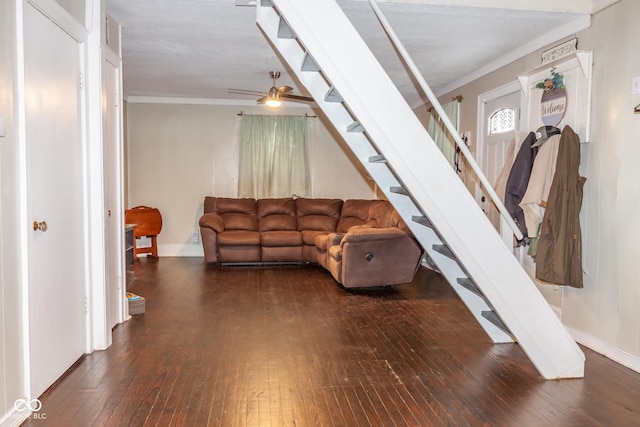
x=202, y=48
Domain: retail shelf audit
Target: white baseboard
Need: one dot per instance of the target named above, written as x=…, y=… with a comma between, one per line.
x=14, y=418
x=194, y=250
x=614, y=353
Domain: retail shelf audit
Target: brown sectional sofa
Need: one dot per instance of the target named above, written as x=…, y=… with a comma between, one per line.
x=360, y=242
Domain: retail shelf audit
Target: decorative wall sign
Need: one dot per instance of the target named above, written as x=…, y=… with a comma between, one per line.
x=559, y=94
x=560, y=51
x=553, y=102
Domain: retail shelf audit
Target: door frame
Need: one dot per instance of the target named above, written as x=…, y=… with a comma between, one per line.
x=483, y=99
x=98, y=336
x=490, y=95
x=111, y=59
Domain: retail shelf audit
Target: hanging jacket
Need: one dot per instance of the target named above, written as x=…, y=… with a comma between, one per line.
x=500, y=184
x=518, y=180
x=534, y=200
x=559, y=257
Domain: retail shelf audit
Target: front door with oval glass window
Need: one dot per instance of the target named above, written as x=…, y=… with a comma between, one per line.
x=501, y=119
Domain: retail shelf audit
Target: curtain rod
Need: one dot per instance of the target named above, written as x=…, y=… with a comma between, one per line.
x=308, y=116
x=458, y=98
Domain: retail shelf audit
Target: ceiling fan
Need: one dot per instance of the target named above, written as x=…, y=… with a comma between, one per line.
x=274, y=97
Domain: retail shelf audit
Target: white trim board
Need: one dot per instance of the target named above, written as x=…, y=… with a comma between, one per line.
x=14, y=418
x=193, y=250
x=607, y=350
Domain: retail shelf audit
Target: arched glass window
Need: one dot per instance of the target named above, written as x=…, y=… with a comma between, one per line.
x=503, y=120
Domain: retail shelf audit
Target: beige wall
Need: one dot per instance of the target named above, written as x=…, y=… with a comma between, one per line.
x=179, y=153
x=605, y=314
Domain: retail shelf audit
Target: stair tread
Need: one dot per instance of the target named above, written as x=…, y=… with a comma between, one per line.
x=377, y=159
x=284, y=31
x=332, y=96
x=421, y=219
x=444, y=250
x=308, y=64
x=492, y=317
x=355, y=127
x=469, y=284
x=399, y=190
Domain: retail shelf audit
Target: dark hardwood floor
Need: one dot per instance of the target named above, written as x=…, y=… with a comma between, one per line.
x=285, y=346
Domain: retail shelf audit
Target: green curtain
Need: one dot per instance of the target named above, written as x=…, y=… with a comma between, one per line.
x=439, y=133
x=273, y=157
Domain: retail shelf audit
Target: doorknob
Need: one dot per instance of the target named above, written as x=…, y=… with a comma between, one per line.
x=42, y=226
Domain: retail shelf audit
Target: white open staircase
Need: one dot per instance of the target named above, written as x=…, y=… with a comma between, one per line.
x=330, y=58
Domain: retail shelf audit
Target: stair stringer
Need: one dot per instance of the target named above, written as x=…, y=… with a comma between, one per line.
x=413, y=161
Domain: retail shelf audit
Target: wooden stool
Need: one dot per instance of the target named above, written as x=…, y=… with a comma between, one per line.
x=147, y=223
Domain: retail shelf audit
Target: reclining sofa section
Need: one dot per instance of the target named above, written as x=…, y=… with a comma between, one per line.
x=361, y=243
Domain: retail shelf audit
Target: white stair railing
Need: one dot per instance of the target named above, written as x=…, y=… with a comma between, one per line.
x=488, y=187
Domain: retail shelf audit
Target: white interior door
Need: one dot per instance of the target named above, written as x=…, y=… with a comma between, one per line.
x=499, y=118
x=114, y=232
x=57, y=293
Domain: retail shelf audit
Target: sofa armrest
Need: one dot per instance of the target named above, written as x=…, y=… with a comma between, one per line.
x=212, y=221
x=360, y=227
x=334, y=239
x=361, y=234
x=377, y=257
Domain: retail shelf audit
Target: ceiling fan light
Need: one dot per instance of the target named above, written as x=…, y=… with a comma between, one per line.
x=273, y=99
x=273, y=102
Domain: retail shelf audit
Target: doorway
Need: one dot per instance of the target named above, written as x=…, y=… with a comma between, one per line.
x=114, y=211
x=499, y=114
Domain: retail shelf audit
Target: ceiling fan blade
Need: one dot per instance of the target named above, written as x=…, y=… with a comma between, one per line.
x=262, y=100
x=245, y=92
x=284, y=89
x=298, y=97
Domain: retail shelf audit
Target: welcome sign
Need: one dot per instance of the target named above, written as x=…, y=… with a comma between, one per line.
x=554, y=98
x=553, y=105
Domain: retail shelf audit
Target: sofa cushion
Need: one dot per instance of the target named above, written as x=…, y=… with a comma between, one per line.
x=380, y=214
x=222, y=205
x=383, y=215
x=236, y=221
x=354, y=212
x=395, y=220
x=239, y=238
x=318, y=214
x=280, y=238
x=237, y=214
x=281, y=254
x=335, y=252
x=309, y=236
x=323, y=243
x=276, y=214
